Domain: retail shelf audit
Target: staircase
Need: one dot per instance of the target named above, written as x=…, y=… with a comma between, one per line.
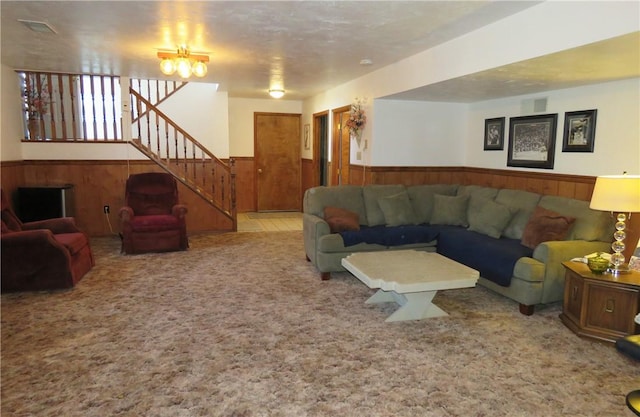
x=85, y=107
x=177, y=152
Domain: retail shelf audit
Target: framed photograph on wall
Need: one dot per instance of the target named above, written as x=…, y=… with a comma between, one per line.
x=307, y=144
x=494, y=134
x=579, y=131
x=532, y=141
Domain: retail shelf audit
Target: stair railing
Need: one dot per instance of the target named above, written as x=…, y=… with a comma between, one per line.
x=171, y=147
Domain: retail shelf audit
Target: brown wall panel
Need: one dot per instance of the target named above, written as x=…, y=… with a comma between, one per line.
x=308, y=175
x=12, y=177
x=99, y=183
x=245, y=184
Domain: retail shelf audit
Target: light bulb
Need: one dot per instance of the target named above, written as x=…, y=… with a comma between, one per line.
x=199, y=69
x=276, y=93
x=183, y=67
x=167, y=66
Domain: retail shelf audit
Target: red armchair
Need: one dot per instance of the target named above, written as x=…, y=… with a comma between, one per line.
x=152, y=219
x=41, y=255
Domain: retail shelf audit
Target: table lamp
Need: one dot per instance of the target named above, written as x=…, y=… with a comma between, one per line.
x=617, y=194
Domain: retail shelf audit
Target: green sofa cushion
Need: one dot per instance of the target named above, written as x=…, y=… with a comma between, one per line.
x=371, y=194
x=450, y=210
x=397, y=209
x=491, y=219
x=422, y=197
x=477, y=197
x=525, y=202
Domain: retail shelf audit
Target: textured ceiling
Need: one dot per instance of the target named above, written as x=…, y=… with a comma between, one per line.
x=305, y=47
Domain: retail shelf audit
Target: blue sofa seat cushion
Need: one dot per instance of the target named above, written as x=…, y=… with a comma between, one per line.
x=390, y=236
x=495, y=259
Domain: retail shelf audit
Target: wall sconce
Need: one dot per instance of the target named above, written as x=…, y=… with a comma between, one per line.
x=183, y=62
x=276, y=93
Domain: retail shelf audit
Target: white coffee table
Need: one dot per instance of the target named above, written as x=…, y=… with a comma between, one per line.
x=410, y=278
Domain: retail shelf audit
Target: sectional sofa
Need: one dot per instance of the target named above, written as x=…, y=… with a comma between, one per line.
x=516, y=239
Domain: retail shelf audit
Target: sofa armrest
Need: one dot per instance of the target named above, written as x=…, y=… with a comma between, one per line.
x=56, y=226
x=313, y=227
x=553, y=253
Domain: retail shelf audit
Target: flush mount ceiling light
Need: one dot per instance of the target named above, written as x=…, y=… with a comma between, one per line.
x=276, y=93
x=183, y=62
x=41, y=27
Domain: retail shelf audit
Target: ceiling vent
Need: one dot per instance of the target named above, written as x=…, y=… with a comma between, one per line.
x=40, y=27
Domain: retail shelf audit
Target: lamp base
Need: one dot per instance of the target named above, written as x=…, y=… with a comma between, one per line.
x=620, y=270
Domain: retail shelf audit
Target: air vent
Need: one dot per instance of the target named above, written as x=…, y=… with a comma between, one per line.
x=40, y=27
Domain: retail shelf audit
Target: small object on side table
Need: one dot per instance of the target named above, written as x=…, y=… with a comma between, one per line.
x=598, y=264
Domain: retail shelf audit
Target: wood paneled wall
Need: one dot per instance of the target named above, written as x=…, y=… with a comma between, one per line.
x=571, y=186
x=98, y=183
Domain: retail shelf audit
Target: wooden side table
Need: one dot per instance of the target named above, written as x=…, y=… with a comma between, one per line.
x=601, y=307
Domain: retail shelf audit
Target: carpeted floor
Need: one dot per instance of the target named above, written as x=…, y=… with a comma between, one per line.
x=241, y=325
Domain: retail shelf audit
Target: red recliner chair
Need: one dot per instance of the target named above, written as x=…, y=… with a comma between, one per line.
x=41, y=255
x=153, y=220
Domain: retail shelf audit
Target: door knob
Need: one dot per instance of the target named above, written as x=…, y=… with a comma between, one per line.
x=259, y=170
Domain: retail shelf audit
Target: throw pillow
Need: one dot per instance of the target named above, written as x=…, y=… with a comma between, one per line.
x=491, y=219
x=397, y=209
x=340, y=220
x=545, y=225
x=449, y=210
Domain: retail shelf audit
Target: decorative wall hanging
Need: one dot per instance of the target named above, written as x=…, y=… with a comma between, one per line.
x=579, y=131
x=532, y=141
x=357, y=120
x=494, y=134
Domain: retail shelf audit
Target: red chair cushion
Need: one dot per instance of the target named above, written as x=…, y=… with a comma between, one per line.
x=74, y=242
x=154, y=223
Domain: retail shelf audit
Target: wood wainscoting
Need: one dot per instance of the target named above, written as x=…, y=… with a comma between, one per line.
x=579, y=187
x=101, y=182
x=98, y=183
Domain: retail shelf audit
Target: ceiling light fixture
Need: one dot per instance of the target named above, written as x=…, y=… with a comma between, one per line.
x=41, y=27
x=276, y=93
x=183, y=62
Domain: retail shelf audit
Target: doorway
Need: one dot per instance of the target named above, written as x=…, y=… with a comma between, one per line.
x=278, y=178
x=321, y=148
x=340, y=147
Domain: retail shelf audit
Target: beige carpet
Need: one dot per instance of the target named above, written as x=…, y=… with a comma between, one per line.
x=241, y=325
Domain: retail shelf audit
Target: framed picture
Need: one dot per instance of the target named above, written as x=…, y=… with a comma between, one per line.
x=579, y=131
x=307, y=145
x=532, y=141
x=494, y=134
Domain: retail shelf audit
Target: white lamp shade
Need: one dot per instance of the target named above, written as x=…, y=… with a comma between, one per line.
x=616, y=193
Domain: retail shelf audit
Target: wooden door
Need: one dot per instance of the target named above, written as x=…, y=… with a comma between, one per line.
x=277, y=161
x=340, y=147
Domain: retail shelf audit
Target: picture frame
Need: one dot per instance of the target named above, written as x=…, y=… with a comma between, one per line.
x=532, y=141
x=307, y=129
x=494, y=134
x=579, y=131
